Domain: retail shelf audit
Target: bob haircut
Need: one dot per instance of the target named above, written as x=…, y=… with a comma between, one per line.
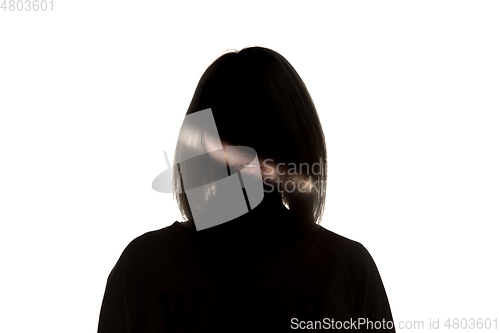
x=259, y=100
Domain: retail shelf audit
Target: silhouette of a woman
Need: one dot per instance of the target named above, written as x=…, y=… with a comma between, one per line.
x=247, y=258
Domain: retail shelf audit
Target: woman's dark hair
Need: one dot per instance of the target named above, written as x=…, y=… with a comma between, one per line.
x=259, y=100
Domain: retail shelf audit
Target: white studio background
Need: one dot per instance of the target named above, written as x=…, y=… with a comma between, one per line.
x=93, y=92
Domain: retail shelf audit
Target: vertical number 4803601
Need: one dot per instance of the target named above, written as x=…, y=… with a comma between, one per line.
x=27, y=5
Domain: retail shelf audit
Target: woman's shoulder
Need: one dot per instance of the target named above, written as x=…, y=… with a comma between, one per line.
x=145, y=243
x=352, y=254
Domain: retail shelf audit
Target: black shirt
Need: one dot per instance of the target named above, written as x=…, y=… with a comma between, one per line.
x=177, y=280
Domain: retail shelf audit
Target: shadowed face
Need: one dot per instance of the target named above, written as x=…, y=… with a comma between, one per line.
x=241, y=157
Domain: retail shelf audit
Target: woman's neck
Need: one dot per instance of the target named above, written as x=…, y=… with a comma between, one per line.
x=270, y=209
x=268, y=227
